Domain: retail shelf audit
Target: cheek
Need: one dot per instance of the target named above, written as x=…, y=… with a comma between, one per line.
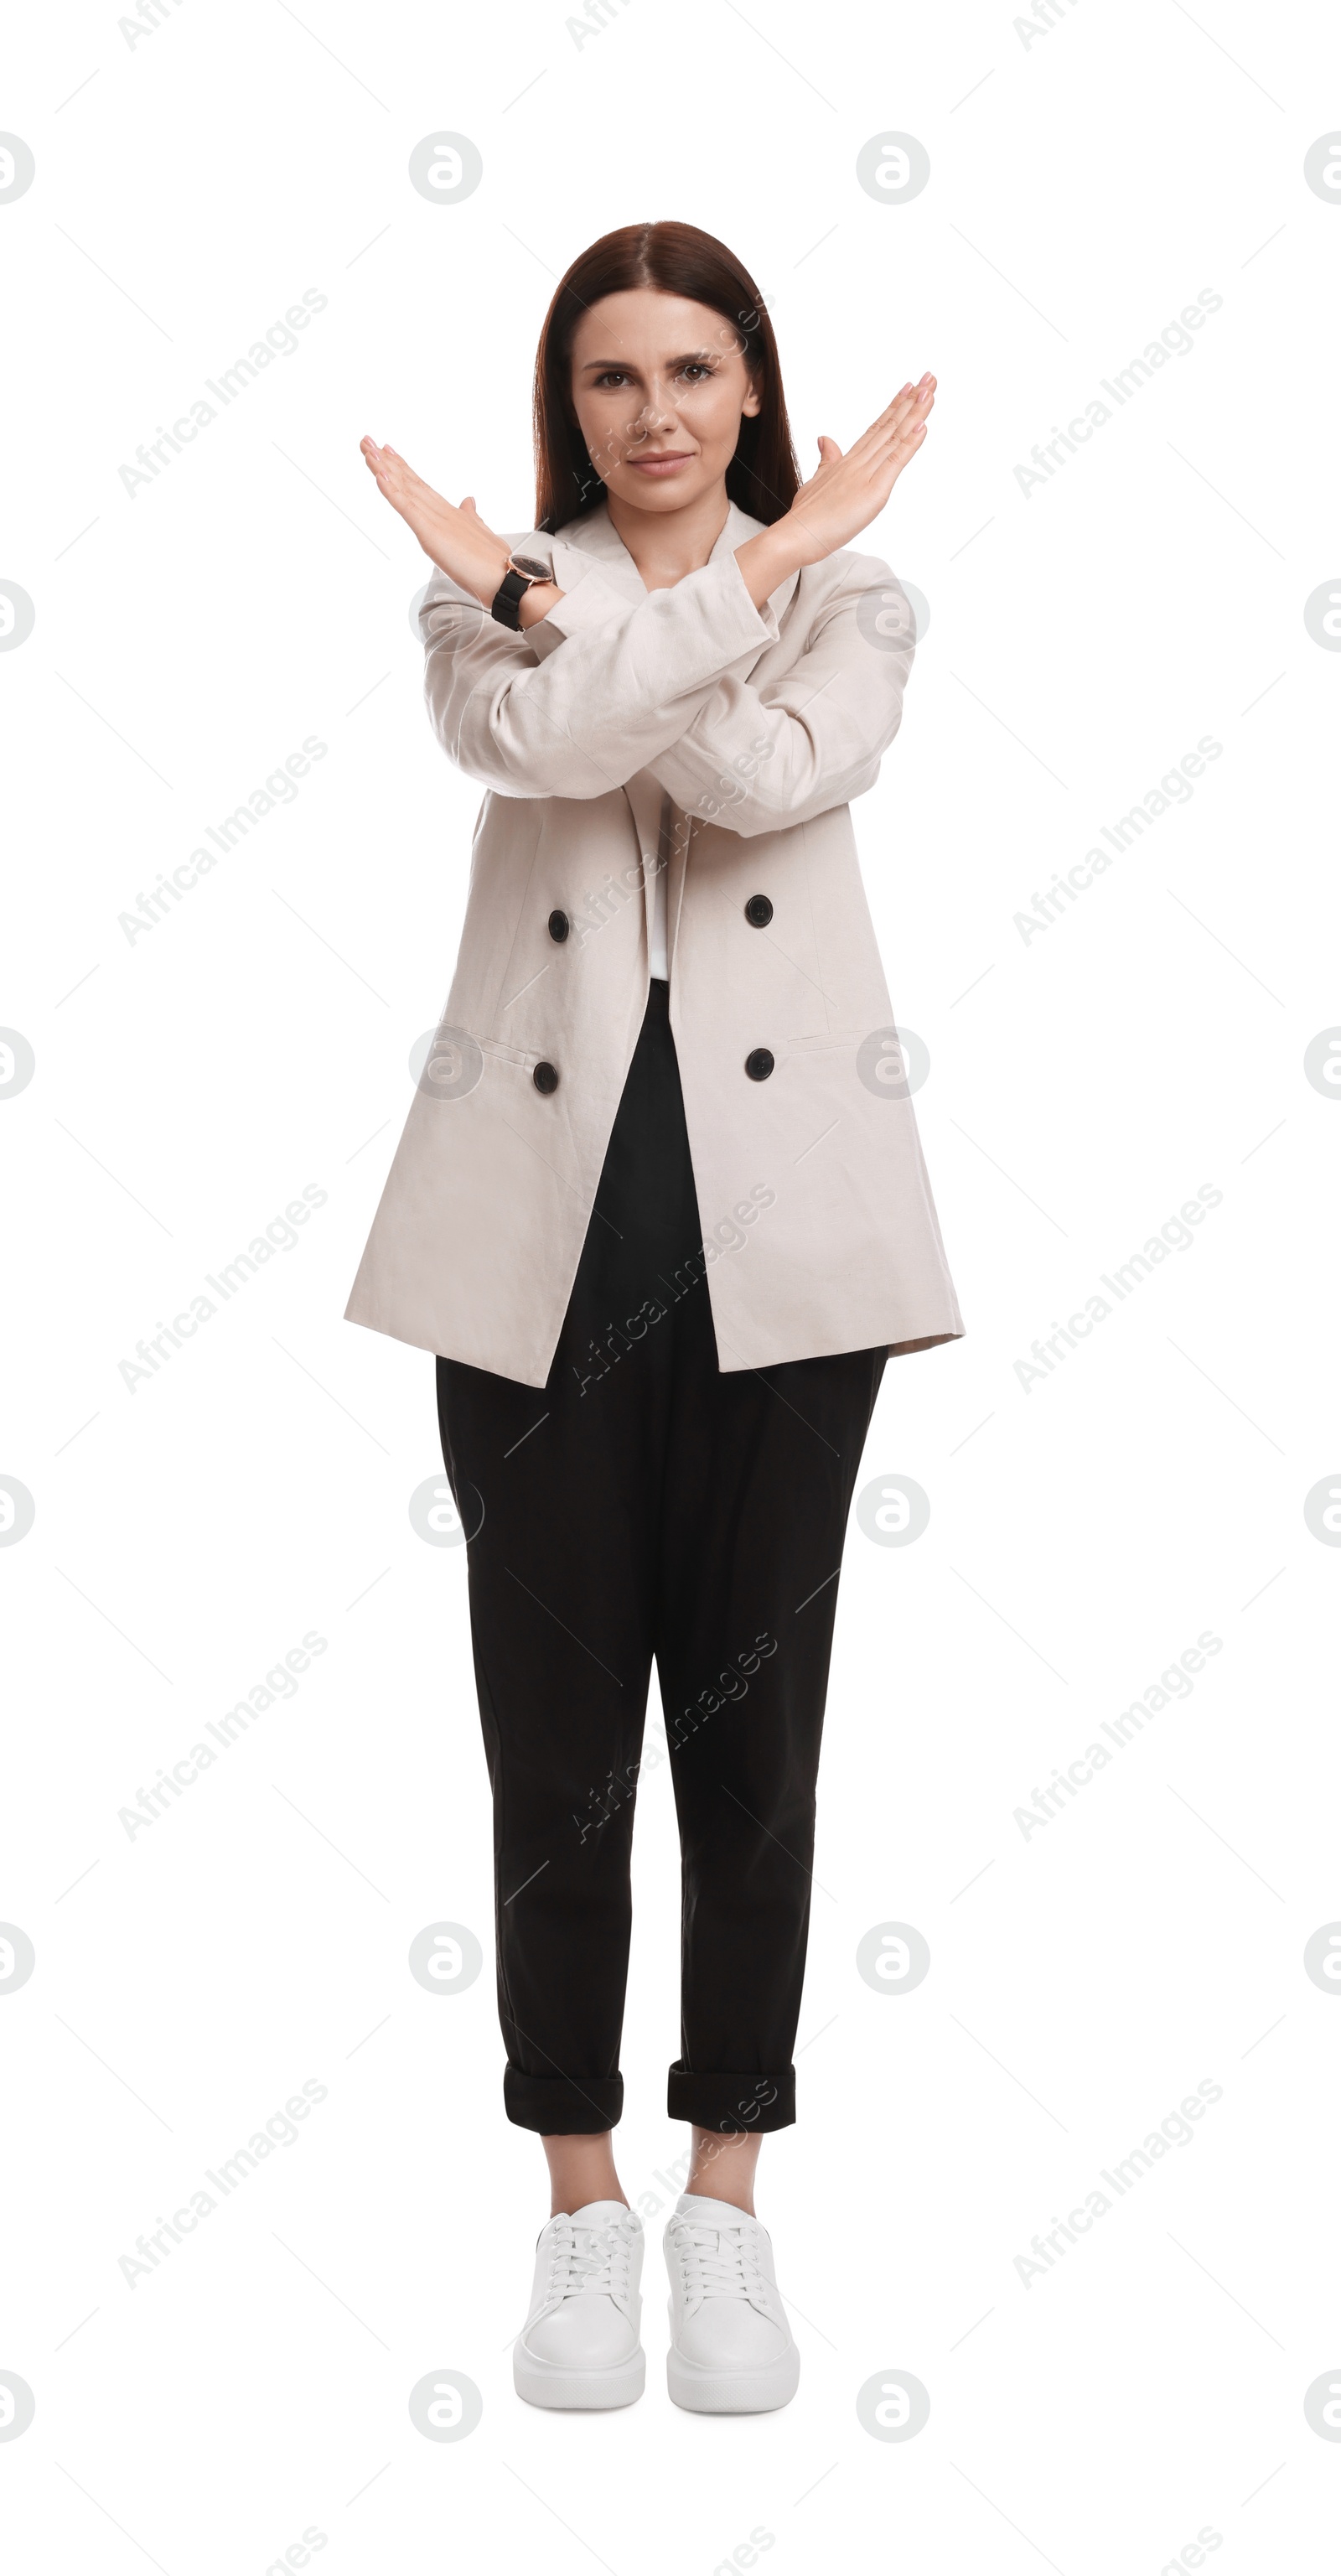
x=617, y=428
x=726, y=395
x=714, y=416
x=593, y=423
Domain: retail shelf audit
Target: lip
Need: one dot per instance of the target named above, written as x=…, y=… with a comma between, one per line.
x=658, y=465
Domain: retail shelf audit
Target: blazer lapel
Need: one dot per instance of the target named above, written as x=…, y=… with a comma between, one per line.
x=590, y=544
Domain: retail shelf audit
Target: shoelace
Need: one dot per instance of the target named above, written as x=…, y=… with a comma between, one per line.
x=588, y=2258
x=719, y=2262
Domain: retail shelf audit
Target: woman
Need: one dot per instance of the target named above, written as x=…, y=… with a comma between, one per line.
x=661, y=1211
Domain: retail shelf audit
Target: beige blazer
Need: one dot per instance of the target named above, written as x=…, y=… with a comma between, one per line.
x=626, y=730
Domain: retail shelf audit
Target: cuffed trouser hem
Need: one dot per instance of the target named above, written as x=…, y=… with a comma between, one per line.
x=732, y=2103
x=561, y=2107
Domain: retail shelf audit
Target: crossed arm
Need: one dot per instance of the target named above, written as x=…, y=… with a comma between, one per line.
x=663, y=685
x=593, y=689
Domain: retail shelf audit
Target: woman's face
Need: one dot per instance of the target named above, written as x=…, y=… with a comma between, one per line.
x=660, y=388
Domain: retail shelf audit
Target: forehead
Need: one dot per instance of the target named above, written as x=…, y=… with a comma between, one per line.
x=643, y=327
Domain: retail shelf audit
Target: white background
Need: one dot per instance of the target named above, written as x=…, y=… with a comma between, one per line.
x=1085, y=186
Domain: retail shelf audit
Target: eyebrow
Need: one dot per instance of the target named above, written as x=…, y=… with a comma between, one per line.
x=686, y=358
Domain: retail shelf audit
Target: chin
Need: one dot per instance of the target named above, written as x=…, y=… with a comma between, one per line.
x=659, y=494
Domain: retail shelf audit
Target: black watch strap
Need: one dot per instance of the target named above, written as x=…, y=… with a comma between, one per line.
x=511, y=590
x=517, y=580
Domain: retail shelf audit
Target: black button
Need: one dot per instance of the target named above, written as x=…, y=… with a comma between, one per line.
x=546, y=1076
x=759, y=1064
x=559, y=925
x=758, y=912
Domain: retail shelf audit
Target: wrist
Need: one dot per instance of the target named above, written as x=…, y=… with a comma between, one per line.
x=537, y=601
x=806, y=544
x=486, y=573
x=769, y=559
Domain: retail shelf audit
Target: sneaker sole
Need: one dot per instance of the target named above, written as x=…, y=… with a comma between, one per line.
x=551, y=2383
x=733, y=2392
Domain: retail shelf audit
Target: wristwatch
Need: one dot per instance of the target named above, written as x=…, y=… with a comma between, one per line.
x=523, y=571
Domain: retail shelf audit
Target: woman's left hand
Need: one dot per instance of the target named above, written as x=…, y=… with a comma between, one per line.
x=846, y=492
x=842, y=497
x=457, y=541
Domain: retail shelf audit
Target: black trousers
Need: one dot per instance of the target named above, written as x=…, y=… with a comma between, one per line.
x=645, y=1504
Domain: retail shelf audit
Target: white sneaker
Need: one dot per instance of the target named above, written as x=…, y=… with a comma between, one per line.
x=731, y=2345
x=579, y=2345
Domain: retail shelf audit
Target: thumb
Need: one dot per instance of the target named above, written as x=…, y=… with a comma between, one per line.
x=829, y=449
x=469, y=504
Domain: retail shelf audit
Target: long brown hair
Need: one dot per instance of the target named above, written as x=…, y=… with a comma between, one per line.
x=677, y=259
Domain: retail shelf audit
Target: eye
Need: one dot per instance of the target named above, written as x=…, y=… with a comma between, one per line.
x=696, y=368
x=611, y=376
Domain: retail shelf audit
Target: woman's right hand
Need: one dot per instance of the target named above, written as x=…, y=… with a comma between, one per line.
x=845, y=493
x=457, y=541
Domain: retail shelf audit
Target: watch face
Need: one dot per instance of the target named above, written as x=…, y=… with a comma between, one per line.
x=528, y=563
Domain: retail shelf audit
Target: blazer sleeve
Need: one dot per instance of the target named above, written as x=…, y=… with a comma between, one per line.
x=579, y=702
x=755, y=759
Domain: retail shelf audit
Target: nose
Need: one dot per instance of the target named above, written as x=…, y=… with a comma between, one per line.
x=654, y=413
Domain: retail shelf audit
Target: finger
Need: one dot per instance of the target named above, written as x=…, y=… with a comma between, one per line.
x=905, y=388
x=909, y=408
x=404, y=476
x=888, y=422
x=829, y=449
x=909, y=439
x=892, y=406
x=909, y=403
x=906, y=448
